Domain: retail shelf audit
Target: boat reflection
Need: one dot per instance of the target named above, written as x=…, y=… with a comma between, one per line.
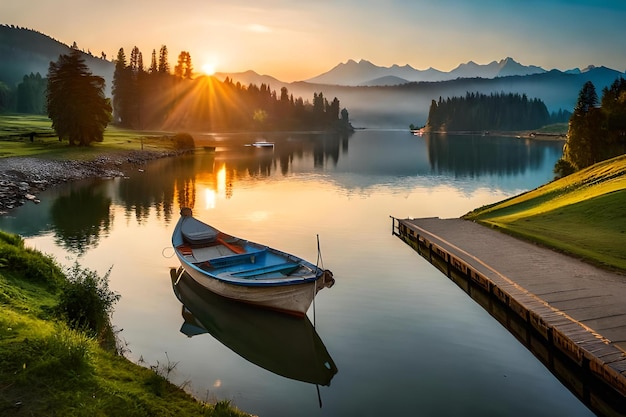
x=285, y=345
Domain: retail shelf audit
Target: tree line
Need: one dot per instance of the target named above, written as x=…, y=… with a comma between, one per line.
x=480, y=112
x=157, y=98
x=28, y=97
x=597, y=128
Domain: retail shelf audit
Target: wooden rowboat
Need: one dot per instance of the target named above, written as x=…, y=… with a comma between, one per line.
x=246, y=271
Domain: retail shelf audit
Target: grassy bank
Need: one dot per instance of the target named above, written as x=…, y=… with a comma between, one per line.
x=581, y=214
x=15, y=136
x=48, y=368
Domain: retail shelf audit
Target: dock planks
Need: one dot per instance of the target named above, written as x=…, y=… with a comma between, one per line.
x=579, y=309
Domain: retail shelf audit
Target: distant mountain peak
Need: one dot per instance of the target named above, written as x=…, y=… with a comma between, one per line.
x=588, y=68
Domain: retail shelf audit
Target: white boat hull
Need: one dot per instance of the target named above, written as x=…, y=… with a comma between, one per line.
x=293, y=299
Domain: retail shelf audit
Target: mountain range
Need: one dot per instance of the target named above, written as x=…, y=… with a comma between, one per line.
x=375, y=96
x=364, y=73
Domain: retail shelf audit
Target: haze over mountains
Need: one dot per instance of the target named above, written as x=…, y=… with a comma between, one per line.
x=376, y=97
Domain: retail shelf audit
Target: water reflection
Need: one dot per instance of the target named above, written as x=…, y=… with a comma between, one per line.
x=287, y=346
x=362, y=161
x=79, y=217
x=164, y=183
x=475, y=155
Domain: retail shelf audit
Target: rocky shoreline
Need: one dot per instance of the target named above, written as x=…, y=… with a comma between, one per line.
x=23, y=178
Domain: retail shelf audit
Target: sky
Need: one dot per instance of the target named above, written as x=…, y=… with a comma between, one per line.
x=295, y=40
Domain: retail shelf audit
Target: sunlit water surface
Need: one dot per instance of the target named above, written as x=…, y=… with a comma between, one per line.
x=404, y=338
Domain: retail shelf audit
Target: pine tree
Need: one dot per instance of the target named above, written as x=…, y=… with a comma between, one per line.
x=183, y=68
x=614, y=110
x=583, y=137
x=76, y=103
x=122, y=90
x=153, y=63
x=164, y=66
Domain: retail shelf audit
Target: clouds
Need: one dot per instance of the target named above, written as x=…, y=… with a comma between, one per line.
x=297, y=40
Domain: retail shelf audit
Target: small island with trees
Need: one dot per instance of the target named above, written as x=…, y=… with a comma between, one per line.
x=478, y=112
x=596, y=130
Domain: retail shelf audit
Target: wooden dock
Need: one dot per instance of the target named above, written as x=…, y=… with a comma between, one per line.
x=570, y=314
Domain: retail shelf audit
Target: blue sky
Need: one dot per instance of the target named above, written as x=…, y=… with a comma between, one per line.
x=295, y=40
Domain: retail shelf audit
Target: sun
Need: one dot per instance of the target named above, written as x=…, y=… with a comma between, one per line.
x=208, y=68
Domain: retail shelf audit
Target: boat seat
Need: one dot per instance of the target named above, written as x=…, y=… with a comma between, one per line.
x=241, y=258
x=248, y=273
x=197, y=233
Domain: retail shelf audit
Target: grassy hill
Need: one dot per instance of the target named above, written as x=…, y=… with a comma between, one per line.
x=583, y=214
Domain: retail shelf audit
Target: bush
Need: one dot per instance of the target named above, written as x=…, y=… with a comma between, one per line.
x=86, y=302
x=183, y=141
x=563, y=168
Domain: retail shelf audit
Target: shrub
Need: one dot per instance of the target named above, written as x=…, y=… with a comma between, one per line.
x=86, y=302
x=183, y=141
x=563, y=168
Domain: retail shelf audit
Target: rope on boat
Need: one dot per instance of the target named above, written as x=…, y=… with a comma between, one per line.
x=319, y=259
x=319, y=253
x=180, y=274
x=166, y=248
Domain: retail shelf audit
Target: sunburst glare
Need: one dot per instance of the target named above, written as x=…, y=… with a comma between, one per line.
x=208, y=68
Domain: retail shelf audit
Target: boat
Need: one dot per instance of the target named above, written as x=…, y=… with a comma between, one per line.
x=245, y=271
x=262, y=144
x=280, y=343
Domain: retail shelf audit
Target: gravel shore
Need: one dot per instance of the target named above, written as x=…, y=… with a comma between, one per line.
x=23, y=178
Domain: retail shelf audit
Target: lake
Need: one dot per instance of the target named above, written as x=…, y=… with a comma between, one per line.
x=396, y=337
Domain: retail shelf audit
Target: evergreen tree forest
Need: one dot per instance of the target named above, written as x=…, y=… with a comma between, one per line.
x=29, y=96
x=480, y=112
x=156, y=98
x=595, y=133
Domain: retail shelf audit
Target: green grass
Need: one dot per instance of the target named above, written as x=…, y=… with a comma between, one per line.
x=15, y=132
x=582, y=214
x=555, y=128
x=48, y=369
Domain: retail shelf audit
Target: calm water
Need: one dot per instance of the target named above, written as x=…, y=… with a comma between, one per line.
x=404, y=339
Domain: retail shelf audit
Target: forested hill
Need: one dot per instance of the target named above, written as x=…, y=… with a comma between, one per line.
x=25, y=51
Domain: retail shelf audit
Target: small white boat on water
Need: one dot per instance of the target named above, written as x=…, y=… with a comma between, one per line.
x=246, y=271
x=262, y=144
